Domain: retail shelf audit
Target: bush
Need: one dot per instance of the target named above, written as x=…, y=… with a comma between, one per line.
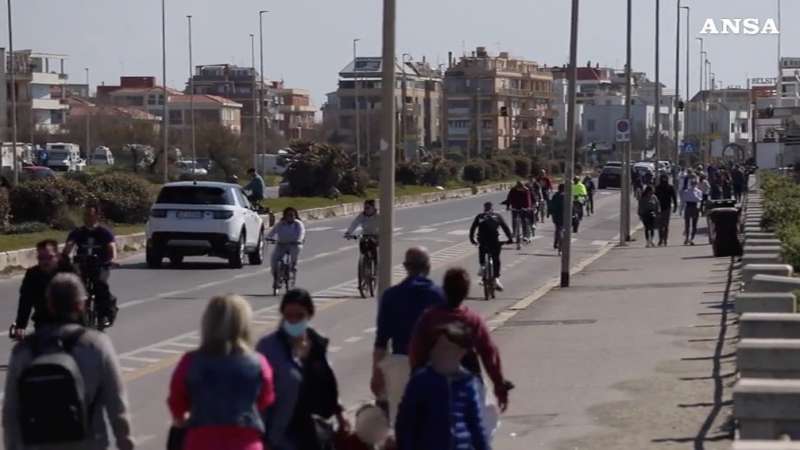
x=790, y=244
x=782, y=213
x=27, y=227
x=440, y=172
x=354, y=182
x=315, y=169
x=408, y=173
x=506, y=167
x=496, y=170
x=5, y=207
x=522, y=167
x=36, y=201
x=456, y=157
x=122, y=198
x=475, y=172
x=81, y=177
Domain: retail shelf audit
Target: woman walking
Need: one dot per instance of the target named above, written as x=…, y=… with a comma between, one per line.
x=304, y=381
x=219, y=391
x=648, y=211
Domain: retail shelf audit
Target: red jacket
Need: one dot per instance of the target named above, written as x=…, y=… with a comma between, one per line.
x=519, y=198
x=423, y=340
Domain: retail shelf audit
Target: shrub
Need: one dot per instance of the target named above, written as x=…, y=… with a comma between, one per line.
x=440, y=172
x=315, y=169
x=790, y=243
x=456, y=157
x=522, y=167
x=36, y=201
x=27, y=227
x=75, y=193
x=475, y=172
x=354, y=182
x=5, y=207
x=81, y=177
x=506, y=166
x=122, y=198
x=408, y=173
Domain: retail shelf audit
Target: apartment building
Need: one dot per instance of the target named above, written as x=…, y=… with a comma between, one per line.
x=496, y=102
x=718, y=118
x=297, y=111
x=208, y=109
x=40, y=87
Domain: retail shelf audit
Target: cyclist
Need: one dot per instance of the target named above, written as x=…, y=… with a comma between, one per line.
x=520, y=202
x=579, y=195
x=487, y=224
x=289, y=235
x=255, y=188
x=538, y=202
x=547, y=187
x=369, y=223
x=95, y=251
x=588, y=181
x=34, y=285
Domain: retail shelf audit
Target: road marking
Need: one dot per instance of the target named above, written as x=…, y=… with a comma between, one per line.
x=424, y=230
x=599, y=243
x=353, y=339
x=459, y=232
x=165, y=350
x=140, y=358
x=370, y=330
x=319, y=229
x=396, y=229
x=450, y=222
x=612, y=217
x=334, y=349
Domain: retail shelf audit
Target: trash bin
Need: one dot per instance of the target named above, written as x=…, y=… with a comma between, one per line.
x=723, y=231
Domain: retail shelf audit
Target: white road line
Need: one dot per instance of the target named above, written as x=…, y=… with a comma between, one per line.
x=334, y=349
x=423, y=230
x=165, y=350
x=353, y=339
x=127, y=369
x=396, y=229
x=450, y=222
x=319, y=229
x=599, y=242
x=370, y=330
x=141, y=358
x=459, y=232
x=182, y=344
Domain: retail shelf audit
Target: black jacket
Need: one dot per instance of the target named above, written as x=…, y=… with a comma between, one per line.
x=32, y=294
x=666, y=196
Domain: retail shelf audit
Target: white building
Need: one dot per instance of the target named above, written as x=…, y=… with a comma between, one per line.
x=719, y=118
x=40, y=84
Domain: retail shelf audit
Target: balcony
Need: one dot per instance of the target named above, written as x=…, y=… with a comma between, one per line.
x=523, y=93
x=48, y=104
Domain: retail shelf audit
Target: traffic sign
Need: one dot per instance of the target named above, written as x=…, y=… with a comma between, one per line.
x=623, y=130
x=689, y=148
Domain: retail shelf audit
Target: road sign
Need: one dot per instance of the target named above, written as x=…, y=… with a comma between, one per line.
x=689, y=148
x=623, y=130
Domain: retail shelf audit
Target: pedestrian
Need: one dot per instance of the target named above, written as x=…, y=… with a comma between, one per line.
x=456, y=286
x=727, y=186
x=668, y=203
x=219, y=391
x=715, y=193
x=588, y=181
x=648, y=212
x=705, y=191
x=693, y=197
x=64, y=380
x=399, y=310
x=305, y=385
x=441, y=407
x=555, y=210
x=34, y=285
x=739, y=180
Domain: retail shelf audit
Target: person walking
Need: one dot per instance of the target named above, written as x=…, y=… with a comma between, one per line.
x=456, y=286
x=34, y=285
x=705, y=191
x=218, y=392
x=739, y=180
x=61, y=369
x=305, y=385
x=555, y=209
x=727, y=186
x=693, y=198
x=668, y=203
x=399, y=309
x=648, y=212
x=441, y=407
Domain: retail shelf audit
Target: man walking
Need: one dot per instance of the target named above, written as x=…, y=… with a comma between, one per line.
x=668, y=202
x=255, y=188
x=62, y=369
x=398, y=312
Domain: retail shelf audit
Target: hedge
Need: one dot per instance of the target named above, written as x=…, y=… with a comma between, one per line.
x=123, y=198
x=782, y=213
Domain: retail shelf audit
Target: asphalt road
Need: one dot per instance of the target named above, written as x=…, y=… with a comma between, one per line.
x=161, y=309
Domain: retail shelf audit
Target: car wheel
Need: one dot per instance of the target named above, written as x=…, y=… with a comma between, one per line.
x=236, y=260
x=176, y=260
x=153, y=257
x=256, y=258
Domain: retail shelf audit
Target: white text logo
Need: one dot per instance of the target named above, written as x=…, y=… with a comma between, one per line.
x=740, y=26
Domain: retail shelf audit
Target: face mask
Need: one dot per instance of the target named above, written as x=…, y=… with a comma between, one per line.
x=371, y=427
x=295, y=329
x=446, y=356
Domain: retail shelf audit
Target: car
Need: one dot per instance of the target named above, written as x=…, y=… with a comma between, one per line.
x=611, y=176
x=204, y=218
x=613, y=164
x=102, y=156
x=38, y=172
x=189, y=167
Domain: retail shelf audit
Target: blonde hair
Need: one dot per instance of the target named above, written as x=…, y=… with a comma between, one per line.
x=226, y=326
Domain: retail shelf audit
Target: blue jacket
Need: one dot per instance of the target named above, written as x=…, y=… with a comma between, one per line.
x=400, y=308
x=441, y=413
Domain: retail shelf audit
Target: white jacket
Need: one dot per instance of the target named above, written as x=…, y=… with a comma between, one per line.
x=368, y=224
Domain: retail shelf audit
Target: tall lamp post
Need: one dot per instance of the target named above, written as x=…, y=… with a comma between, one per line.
x=688, y=69
x=387, y=146
x=191, y=99
x=357, y=102
x=625, y=197
x=88, y=119
x=165, y=99
x=261, y=87
x=570, y=163
x=253, y=99
x=657, y=102
x=403, y=115
x=12, y=78
x=677, y=97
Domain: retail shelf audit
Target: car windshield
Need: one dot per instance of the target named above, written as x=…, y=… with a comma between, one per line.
x=195, y=195
x=612, y=170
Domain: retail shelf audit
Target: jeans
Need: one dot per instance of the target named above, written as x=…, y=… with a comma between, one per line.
x=105, y=302
x=494, y=249
x=590, y=203
x=557, y=235
x=663, y=225
x=649, y=222
x=690, y=216
x=281, y=249
x=520, y=217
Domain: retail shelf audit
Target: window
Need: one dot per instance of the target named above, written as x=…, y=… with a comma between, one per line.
x=242, y=198
x=590, y=125
x=176, y=117
x=152, y=99
x=733, y=128
x=195, y=195
x=744, y=127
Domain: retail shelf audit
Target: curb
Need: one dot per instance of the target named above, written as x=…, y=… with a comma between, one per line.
x=18, y=260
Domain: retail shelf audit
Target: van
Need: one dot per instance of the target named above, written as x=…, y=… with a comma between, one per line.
x=64, y=157
x=272, y=164
x=102, y=156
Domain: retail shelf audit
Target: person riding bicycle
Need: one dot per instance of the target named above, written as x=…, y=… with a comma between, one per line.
x=289, y=234
x=546, y=184
x=95, y=251
x=555, y=209
x=34, y=286
x=487, y=225
x=588, y=181
x=520, y=202
x=538, y=201
x=255, y=188
x=369, y=222
x=579, y=195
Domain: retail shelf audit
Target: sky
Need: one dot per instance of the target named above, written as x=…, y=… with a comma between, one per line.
x=307, y=42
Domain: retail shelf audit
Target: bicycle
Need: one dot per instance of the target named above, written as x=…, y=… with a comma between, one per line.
x=521, y=227
x=367, y=264
x=489, y=277
x=285, y=275
x=88, y=267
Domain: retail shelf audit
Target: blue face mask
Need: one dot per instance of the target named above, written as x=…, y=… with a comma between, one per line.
x=295, y=329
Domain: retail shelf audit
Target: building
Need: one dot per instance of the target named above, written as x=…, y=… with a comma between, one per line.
x=138, y=92
x=496, y=102
x=208, y=109
x=417, y=97
x=297, y=112
x=40, y=87
x=717, y=119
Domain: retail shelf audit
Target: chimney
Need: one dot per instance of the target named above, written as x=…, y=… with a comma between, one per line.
x=481, y=52
x=449, y=60
x=589, y=63
x=423, y=59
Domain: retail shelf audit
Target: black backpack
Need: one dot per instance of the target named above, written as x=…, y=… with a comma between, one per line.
x=52, y=397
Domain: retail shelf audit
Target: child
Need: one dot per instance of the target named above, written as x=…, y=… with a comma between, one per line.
x=371, y=431
x=441, y=407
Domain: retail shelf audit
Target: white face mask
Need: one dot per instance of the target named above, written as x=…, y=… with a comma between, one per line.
x=371, y=426
x=446, y=356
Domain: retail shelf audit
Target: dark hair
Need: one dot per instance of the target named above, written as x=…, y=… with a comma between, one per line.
x=290, y=209
x=457, y=333
x=369, y=202
x=456, y=286
x=251, y=170
x=561, y=187
x=648, y=190
x=41, y=245
x=299, y=297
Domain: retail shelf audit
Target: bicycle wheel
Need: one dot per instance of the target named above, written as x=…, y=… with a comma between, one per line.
x=488, y=279
x=372, y=278
x=517, y=230
x=362, y=276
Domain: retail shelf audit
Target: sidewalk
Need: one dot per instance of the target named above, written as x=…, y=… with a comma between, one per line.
x=637, y=354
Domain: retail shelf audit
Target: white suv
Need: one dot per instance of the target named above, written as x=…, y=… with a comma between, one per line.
x=204, y=218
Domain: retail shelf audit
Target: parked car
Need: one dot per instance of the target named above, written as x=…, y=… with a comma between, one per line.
x=205, y=163
x=189, y=167
x=102, y=156
x=64, y=157
x=38, y=172
x=204, y=218
x=610, y=176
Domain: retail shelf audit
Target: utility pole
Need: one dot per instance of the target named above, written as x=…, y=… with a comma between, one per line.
x=191, y=100
x=625, y=195
x=88, y=118
x=657, y=139
x=566, y=240
x=387, y=147
x=253, y=95
x=403, y=118
x=12, y=77
x=675, y=113
x=688, y=69
x=261, y=87
x=165, y=106
x=479, y=124
x=357, y=102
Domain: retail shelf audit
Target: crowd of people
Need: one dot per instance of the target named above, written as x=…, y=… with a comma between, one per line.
x=236, y=391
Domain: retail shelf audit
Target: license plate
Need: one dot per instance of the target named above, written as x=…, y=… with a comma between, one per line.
x=190, y=214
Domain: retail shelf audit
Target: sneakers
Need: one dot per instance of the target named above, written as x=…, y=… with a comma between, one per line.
x=497, y=284
x=480, y=272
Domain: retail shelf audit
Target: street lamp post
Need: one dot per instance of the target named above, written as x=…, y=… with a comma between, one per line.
x=261, y=124
x=403, y=118
x=625, y=195
x=387, y=147
x=12, y=77
x=657, y=139
x=253, y=99
x=688, y=58
x=677, y=97
x=88, y=118
x=191, y=99
x=570, y=163
x=165, y=99
x=357, y=102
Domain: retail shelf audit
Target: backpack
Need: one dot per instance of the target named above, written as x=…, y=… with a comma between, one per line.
x=488, y=225
x=52, y=397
